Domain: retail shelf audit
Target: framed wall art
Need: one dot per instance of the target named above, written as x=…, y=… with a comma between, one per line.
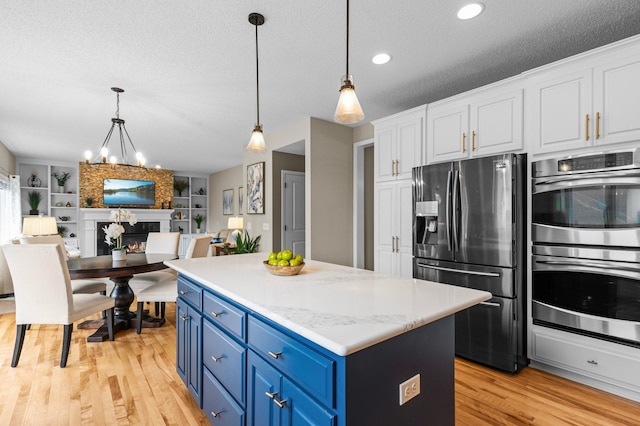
x=227, y=201
x=240, y=199
x=255, y=188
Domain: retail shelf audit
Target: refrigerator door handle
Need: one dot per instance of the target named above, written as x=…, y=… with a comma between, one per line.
x=490, y=304
x=447, y=214
x=459, y=271
x=454, y=214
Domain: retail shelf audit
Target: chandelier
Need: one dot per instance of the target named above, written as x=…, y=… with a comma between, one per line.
x=102, y=157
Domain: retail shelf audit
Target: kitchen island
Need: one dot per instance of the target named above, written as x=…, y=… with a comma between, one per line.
x=333, y=345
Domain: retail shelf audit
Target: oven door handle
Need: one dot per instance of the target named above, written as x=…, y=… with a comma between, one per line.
x=459, y=271
x=581, y=265
x=588, y=177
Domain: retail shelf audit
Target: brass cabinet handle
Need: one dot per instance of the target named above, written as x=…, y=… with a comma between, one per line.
x=473, y=140
x=275, y=355
x=464, y=148
x=392, y=169
x=397, y=167
x=586, y=127
x=597, y=125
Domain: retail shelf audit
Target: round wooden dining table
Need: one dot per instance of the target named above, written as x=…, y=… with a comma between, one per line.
x=120, y=272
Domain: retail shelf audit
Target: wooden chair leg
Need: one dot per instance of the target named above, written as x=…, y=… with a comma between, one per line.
x=139, y=317
x=66, y=343
x=110, y=323
x=17, y=349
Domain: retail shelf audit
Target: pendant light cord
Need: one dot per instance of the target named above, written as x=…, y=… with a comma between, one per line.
x=257, y=80
x=347, y=38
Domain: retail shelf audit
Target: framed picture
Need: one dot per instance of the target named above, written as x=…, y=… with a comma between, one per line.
x=240, y=199
x=227, y=201
x=255, y=188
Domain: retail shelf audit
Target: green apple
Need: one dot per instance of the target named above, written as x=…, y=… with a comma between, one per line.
x=283, y=263
x=287, y=254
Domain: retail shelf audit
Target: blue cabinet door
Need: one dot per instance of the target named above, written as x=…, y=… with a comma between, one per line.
x=302, y=410
x=194, y=370
x=263, y=380
x=182, y=334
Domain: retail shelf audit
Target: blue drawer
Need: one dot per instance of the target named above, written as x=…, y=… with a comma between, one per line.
x=311, y=370
x=225, y=315
x=225, y=358
x=190, y=292
x=218, y=405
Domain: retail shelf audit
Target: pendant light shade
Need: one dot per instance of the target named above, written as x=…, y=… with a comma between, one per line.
x=348, y=110
x=256, y=143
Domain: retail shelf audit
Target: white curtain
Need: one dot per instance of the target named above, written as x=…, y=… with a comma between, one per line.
x=10, y=216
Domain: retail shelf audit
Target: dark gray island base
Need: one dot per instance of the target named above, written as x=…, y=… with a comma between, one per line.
x=333, y=346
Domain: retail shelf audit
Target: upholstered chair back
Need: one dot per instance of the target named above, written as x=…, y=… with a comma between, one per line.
x=198, y=247
x=41, y=283
x=163, y=242
x=46, y=239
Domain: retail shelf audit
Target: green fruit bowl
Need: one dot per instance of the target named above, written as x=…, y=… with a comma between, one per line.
x=283, y=271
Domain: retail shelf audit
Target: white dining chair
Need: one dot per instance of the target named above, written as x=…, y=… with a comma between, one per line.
x=157, y=243
x=167, y=291
x=43, y=294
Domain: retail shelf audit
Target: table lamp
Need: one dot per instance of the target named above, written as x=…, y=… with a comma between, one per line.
x=39, y=225
x=235, y=223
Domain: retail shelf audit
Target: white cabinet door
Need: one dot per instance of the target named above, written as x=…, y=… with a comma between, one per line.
x=394, y=224
x=616, y=100
x=404, y=229
x=447, y=131
x=385, y=195
x=496, y=122
x=560, y=112
x=398, y=145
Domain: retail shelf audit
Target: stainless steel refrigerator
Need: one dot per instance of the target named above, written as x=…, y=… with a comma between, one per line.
x=468, y=230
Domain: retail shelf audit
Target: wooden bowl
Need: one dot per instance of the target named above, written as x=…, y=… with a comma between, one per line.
x=283, y=271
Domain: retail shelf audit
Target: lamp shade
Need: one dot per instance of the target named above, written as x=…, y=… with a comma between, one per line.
x=235, y=223
x=257, y=143
x=39, y=225
x=348, y=110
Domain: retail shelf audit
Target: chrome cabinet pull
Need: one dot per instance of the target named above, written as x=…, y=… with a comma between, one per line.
x=182, y=292
x=273, y=396
x=592, y=362
x=464, y=148
x=275, y=355
x=184, y=317
x=216, y=359
x=216, y=413
x=586, y=127
x=597, y=125
x=216, y=314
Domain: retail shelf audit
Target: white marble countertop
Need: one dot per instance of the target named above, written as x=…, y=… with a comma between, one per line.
x=340, y=308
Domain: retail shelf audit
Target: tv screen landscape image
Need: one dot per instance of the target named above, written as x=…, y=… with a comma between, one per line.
x=129, y=193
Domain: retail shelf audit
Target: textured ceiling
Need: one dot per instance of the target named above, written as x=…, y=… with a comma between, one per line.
x=188, y=67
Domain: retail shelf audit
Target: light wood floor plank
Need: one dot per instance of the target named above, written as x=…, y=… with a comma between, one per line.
x=132, y=381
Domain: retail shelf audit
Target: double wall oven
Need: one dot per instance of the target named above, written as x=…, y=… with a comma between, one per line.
x=586, y=244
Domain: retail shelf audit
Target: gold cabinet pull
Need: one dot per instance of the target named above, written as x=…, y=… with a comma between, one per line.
x=393, y=163
x=586, y=128
x=397, y=167
x=597, y=125
x=464, y=148
x=473, y=140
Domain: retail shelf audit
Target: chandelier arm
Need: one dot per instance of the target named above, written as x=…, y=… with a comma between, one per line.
x=105, y=144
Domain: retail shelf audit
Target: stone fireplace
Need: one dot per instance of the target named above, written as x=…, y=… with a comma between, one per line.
x=93, y=220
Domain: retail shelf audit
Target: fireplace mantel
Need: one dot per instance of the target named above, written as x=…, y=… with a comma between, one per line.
x=90, y=217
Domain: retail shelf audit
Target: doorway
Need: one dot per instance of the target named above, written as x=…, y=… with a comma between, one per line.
x=293, y=211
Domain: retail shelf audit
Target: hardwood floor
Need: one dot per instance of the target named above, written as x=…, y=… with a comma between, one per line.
x=132, y=381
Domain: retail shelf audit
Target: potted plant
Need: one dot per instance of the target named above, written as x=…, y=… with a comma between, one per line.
x=34, y=198
x=198, y=219
x=180, y=185
x=62, y=178
x=88, y=201
x=61, y=230
x=245, y=244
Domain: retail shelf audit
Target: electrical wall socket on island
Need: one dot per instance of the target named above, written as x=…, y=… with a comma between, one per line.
x=409, y=389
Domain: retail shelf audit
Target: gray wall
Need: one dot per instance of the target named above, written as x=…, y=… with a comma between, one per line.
x=7, y=161
x=218, y=182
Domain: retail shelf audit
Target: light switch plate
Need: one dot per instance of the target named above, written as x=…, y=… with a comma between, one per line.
x=265, y=226
x=409, y=389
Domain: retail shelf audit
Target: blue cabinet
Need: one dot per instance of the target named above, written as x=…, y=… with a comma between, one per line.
x=189, y=347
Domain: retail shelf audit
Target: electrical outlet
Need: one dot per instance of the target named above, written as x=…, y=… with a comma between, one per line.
x=409, y=389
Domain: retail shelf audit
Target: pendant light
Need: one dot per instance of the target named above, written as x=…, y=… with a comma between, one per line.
x=348, y=110
x=103, y=152
x=256, y=143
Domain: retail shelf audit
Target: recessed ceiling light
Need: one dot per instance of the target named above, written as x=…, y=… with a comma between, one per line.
x=470, y=11
x=381, y=58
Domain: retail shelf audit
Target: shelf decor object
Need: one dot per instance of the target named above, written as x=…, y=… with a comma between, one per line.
x=348, y=110
x=255, y=188
x=256, y=143
x=61, y=178
x=103, y=154
x=34, y=181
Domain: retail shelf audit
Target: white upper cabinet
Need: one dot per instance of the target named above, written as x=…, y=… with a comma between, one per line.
x=586, y=103
x=398, y=144
x=477, y=123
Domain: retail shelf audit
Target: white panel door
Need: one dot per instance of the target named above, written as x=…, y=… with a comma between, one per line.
x=384, y=222
x=447, y=133
x=293, y=211
x=496, y=123
x=404, y=230
x=409, y=148
x=385, y=142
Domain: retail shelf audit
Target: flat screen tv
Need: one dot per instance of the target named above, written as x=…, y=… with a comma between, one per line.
x=129, y=193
